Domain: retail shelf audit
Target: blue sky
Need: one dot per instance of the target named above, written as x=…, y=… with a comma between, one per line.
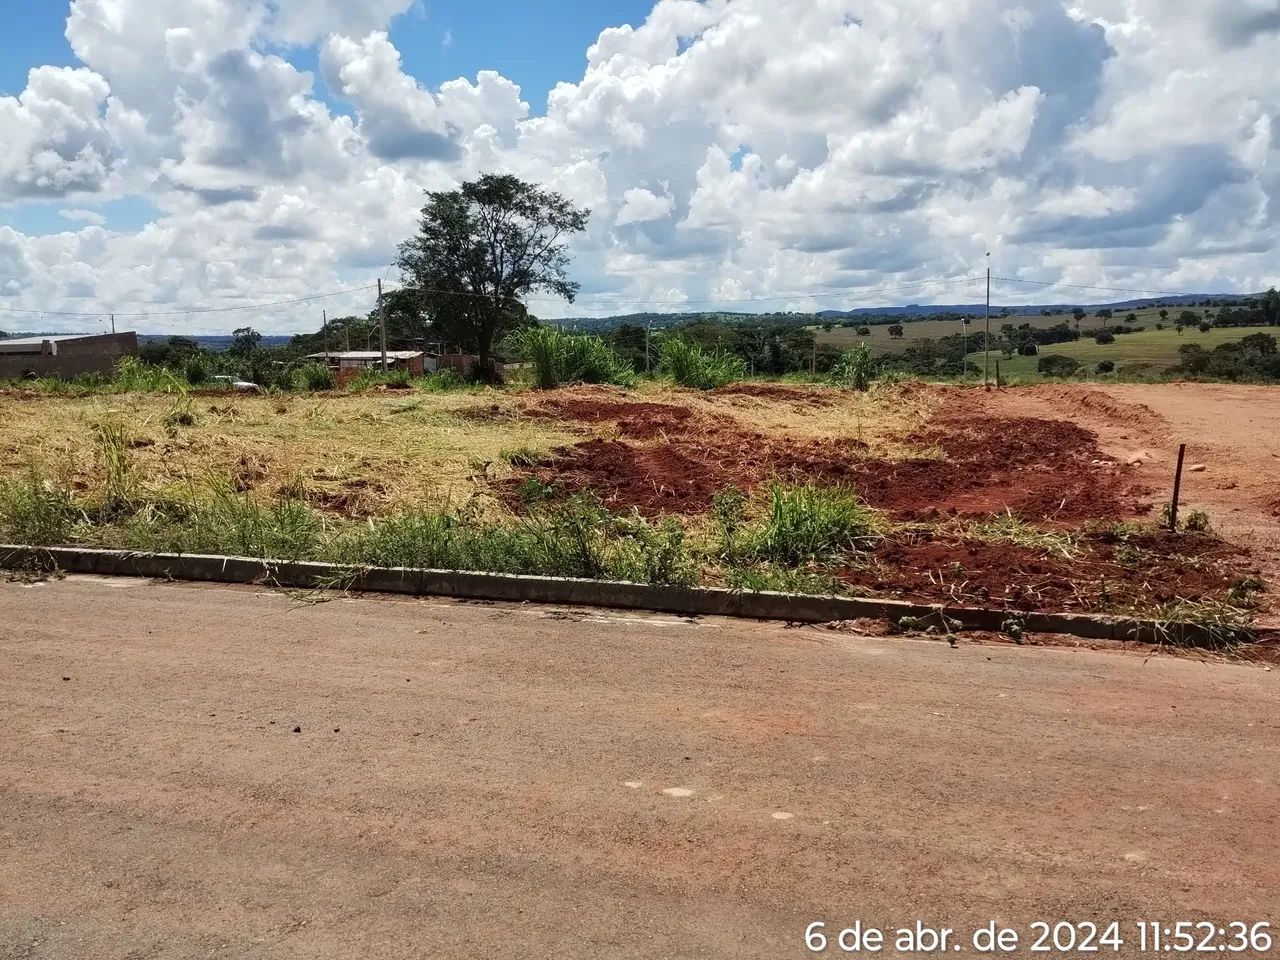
x=765, y=153
x=534, y=45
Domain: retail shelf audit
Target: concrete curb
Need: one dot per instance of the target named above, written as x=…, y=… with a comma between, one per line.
x=697, y=601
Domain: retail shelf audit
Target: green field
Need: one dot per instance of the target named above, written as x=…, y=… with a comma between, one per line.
x=881, y=343
x=1153, y=349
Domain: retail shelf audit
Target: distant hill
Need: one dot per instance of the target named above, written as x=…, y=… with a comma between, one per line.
x=914, y=311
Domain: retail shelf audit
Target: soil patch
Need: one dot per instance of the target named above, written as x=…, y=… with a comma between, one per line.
x=1151, y=569
x=1045, y=470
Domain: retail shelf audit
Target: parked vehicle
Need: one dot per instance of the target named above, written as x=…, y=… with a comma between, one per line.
x=232, y=383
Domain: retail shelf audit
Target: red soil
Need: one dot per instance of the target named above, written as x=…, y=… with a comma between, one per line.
x=1045, y=470
x=1160, y=568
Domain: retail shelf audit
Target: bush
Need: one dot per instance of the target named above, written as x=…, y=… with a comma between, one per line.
x=1205, y=327
x=314, y=376
x=691, y=366
x=864, y=331
x=1105, y=366
x=854, y=369
x=559, y=357
x=1104, y=338
x=1057, y=365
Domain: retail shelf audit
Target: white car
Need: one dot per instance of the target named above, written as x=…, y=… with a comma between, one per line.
x=231, y=383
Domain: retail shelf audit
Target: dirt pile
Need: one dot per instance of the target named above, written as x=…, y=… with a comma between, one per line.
x=1150, y=569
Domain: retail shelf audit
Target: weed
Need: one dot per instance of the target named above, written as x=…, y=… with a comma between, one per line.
x=36, y=511
x=1008, y=528
x=181, y=414
x=1197, y=522
x=521, y=457
x=689, y=365
x=774, y=579
x=118, y=485
x=854, y=369
x=814, y=523
x=314, y=376
x=559, y=358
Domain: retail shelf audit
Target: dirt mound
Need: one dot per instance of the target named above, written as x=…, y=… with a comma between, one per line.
x=1159, y=568
x=802, y=396
x=1089, y=402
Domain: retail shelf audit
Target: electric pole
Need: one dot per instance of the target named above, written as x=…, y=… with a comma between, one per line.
x=648, y=366
x=113, y=324
x=382, y=327
x=986, y=343
x=324, y=315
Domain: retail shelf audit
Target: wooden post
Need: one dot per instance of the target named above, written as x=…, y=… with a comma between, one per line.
x=1177, y=488
x=382, y=327
x=997, y=373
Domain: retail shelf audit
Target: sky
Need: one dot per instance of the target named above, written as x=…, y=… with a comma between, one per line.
x=202, y=165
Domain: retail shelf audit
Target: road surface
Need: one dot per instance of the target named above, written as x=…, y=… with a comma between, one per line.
x=197, y=771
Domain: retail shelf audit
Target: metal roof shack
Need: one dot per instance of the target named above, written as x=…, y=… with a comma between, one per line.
x=410, y=360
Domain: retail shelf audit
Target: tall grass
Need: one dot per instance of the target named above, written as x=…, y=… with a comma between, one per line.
x=689, y=365
x=854, y=369
x=37, y=511
x=811, y=523
x=560, y=358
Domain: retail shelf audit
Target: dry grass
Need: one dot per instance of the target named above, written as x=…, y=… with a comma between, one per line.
x=355, y=455
x=377, y=453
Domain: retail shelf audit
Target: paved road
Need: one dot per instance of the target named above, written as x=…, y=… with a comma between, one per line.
x=217, y=772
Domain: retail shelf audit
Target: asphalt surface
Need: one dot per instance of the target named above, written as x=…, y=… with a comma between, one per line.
x=195, y=771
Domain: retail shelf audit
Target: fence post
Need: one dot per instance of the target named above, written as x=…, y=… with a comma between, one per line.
x=1177, y=488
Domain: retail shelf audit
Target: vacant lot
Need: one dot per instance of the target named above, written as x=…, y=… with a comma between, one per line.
x=194, y=772
x=937, y=493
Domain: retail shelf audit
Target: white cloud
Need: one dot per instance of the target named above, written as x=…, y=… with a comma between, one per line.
x=641, y=206
x=728, y=148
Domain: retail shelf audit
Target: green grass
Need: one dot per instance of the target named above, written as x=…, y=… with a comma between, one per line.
x=1156, y=350
x=881, y=343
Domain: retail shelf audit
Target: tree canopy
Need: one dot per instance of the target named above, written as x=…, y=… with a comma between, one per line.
x=481, y=250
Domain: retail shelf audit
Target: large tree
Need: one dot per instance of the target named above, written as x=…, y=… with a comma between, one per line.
x=481, y=250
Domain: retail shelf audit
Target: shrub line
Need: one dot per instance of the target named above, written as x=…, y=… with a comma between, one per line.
x=696, y=601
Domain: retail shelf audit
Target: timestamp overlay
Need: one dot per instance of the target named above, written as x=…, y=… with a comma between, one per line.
x=1045, y=938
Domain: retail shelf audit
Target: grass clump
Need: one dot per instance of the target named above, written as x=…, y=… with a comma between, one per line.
x=689, y=365
x=560, y=358
x=854, y=369
x=812, y=523
x=36, y=511
x=314, y=376
x=1009, y=528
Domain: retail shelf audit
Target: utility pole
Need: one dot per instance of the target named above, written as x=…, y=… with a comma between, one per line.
x=648, y=366
x=324, y=314
x=382, y=327
x=986, y=343
x=113, y=324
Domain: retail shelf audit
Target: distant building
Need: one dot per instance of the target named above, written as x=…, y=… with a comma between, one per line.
x=414, y=361
x=64, y=357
